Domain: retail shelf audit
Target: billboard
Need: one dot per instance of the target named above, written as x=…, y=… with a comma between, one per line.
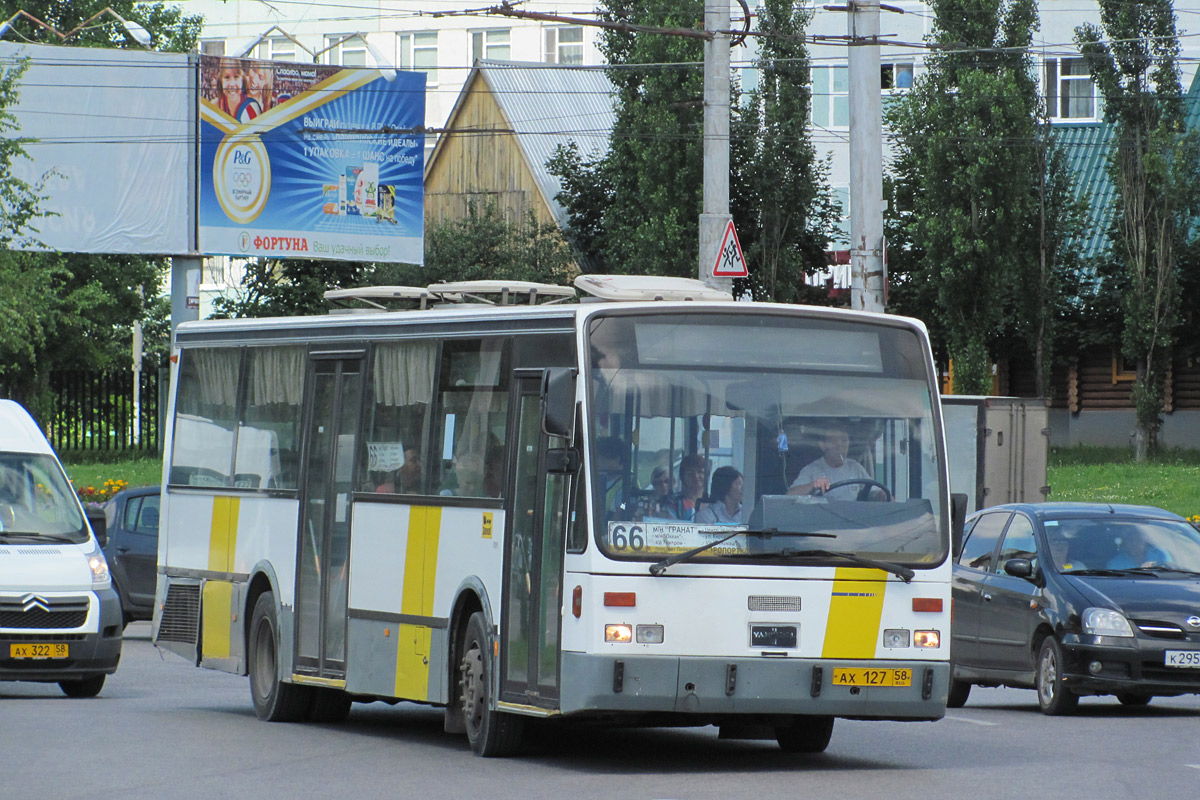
x=310, y=161
x=111, y=136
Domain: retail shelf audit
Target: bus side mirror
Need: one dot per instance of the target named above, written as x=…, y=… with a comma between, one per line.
x=958, y=516
x=562, y=461
x=558, y=401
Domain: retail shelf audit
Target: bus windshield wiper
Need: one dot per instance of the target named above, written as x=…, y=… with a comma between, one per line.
x=899, y=570
x=659, y=567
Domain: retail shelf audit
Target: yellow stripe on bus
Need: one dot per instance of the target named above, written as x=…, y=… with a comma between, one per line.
x=855, y=610
x=217, y=600
x=222, y=538
x=420, y=577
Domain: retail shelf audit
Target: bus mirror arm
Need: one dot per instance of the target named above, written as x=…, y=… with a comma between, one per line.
x=562, y=461
x=958, y=516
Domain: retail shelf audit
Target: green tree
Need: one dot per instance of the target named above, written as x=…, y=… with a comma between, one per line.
x=285, y=287
x=1132, y=57
x=779, y=190
x=963, y=138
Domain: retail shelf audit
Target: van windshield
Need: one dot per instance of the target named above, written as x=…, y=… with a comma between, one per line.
x=36, y=501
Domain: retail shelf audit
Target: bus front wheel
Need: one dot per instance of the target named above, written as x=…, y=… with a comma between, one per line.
x=806, y=734
x=490, y=732
x=274, y=700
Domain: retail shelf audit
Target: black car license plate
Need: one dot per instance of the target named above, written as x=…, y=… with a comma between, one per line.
x=772, y=635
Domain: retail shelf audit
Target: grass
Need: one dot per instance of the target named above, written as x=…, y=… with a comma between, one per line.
x=1171, y=480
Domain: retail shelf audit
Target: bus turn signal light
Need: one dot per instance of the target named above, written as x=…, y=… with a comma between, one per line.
x=620, y=599
x=577, y=601
x=927, y=604
x=622, y=634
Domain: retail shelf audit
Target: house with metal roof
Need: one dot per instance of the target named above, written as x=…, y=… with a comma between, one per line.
x=504, y=127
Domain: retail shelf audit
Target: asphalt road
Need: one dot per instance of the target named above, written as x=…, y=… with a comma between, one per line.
x=164, y=729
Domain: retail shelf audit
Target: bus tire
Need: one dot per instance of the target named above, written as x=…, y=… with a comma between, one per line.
x=959, y=692
x=491, y=733
x=806, y=734
x=329, y=705
x=274, y=700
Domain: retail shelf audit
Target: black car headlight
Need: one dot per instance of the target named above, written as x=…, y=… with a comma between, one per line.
x=1106, y=622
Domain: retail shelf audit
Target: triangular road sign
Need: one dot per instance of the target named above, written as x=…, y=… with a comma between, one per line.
x=730, y=262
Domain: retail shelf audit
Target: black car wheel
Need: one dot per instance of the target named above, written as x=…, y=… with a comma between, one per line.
x=1054, y=697
x=959, y=692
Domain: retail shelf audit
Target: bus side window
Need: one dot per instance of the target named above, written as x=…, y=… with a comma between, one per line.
x=205, y=417
x=398, y=418
x=270, y=422
x=473, y=418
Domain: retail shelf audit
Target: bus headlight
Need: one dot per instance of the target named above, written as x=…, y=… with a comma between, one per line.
x=649, y=634
x=894, y=638
x=621, y=634
x=927, y=639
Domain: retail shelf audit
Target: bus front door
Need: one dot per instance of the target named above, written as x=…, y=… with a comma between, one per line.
x=335, y=386
x=532, y=593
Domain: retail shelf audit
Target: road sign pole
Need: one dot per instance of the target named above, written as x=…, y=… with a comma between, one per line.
x=715, y=211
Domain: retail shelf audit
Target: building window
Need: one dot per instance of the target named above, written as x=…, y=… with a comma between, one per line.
x=277, y=48
x=492, y=45
x=418, y=51
x=213, y=47
x=564, y=45
x=831, y=96
x=1070, y=93
x=349, y=53
x=895, y=78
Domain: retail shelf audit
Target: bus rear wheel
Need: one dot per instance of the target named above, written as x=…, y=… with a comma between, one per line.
x=490, y=732
x=274, y=700
x=806, y=734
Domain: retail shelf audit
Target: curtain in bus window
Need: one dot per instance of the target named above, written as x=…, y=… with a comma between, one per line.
x=268, y=443
x=205, y=418
x=399, y=420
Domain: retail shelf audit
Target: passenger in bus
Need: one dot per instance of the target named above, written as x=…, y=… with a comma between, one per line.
x=660, y=491
x=693, y=474
x=407, y=479
x=493, y=472
x=725, y=507
x=832, y=467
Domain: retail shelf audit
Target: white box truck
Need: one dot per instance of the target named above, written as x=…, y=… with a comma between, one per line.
x=997, y=448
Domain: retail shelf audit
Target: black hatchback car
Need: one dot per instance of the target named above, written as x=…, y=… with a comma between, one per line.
x=1077, y=599
x=131, y=548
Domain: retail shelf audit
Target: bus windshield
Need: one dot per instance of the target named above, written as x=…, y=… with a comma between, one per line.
x=808, y=434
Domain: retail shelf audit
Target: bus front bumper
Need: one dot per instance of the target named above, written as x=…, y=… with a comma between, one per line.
x=719, y=687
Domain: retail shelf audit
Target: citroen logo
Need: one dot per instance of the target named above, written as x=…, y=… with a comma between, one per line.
x=31, y=601
x=1194, y=621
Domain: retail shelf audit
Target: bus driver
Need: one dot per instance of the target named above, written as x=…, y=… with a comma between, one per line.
x=832, y=467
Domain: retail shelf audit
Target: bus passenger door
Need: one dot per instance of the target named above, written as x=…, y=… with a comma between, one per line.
x=533, y=560
x=335, y=386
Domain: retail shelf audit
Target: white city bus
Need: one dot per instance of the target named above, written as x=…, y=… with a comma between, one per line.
x=458, y=505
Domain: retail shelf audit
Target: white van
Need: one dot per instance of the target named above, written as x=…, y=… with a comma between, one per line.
x=60, y=620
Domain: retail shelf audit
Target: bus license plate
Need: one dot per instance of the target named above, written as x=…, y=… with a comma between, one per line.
x=872, y=677
x=38, y=650
x=1183, y=658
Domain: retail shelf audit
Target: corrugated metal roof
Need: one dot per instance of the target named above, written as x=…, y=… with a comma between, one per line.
x=1087, y=146
x=548, y=105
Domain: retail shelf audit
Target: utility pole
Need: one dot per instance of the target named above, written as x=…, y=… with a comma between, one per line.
x=714, y=216
x=866, y=158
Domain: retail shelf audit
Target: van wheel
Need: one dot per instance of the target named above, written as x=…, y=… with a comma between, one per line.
x=84, y=687
x=1054, y=697
x=125, y=618
x=959, y=692
x=274, y=700
x=490, y=732
x=806, y=734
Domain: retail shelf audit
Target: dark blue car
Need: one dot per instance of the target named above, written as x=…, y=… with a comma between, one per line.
x=1077, y=599
x=131, y=547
